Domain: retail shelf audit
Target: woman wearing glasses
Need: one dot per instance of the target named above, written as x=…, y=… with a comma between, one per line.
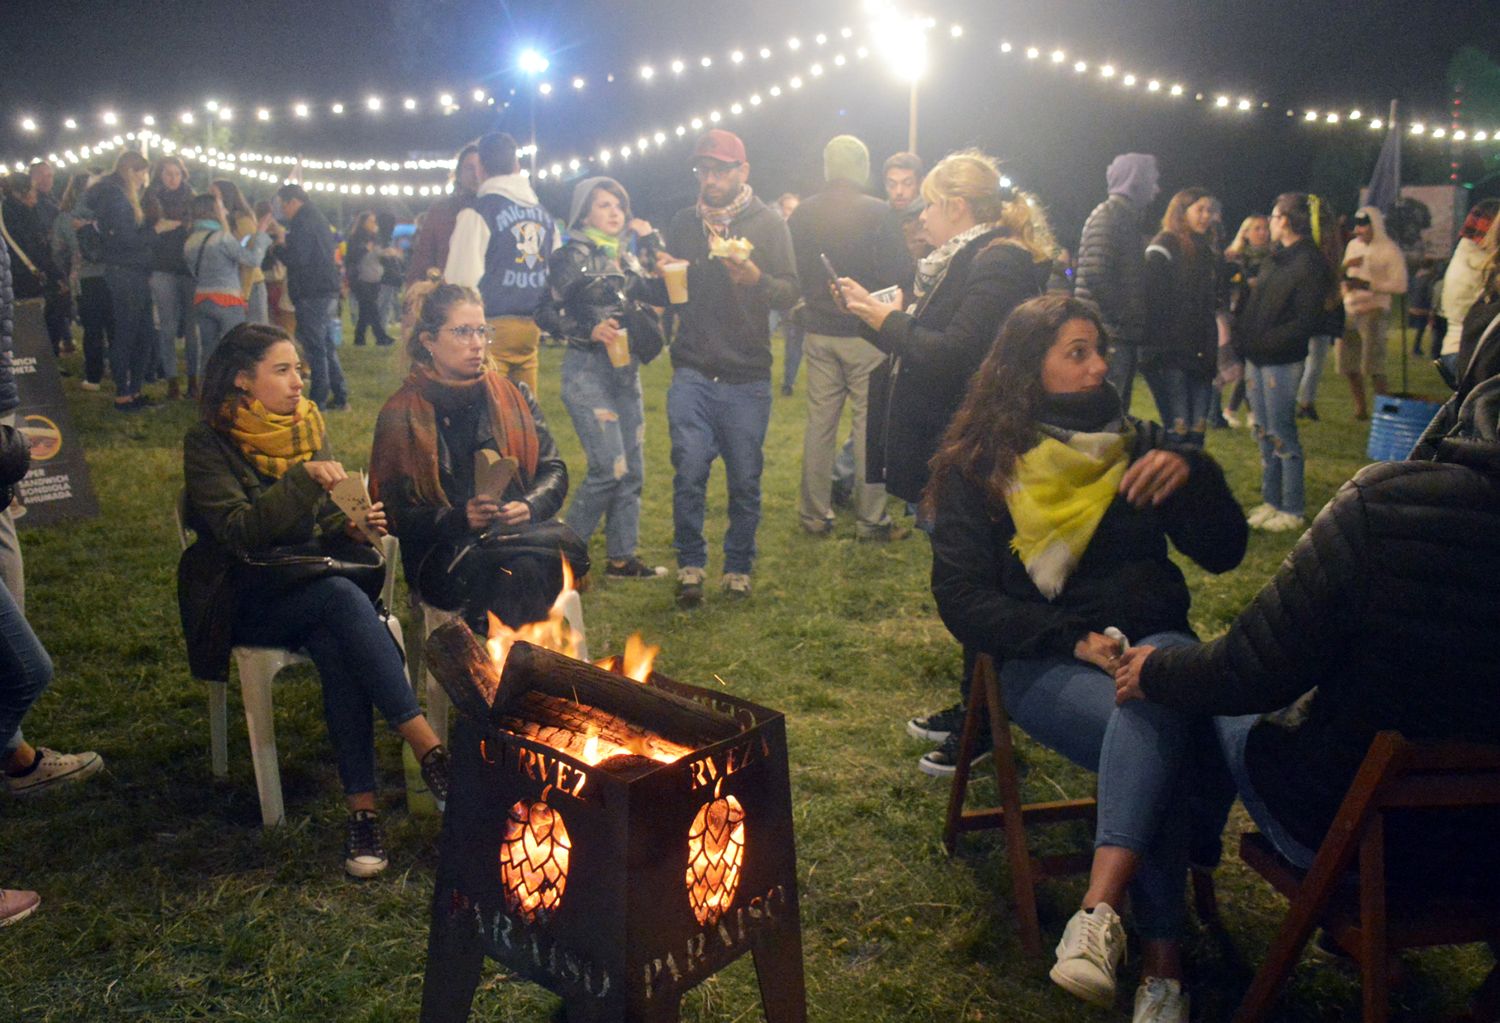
x=593, y=279
x=428, y=441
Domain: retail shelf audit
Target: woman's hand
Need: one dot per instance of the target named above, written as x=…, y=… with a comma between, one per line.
x=1128, y=674
x=263, y=225
x=515, y=513
x=859, y=302
x=375, y=518
x=1099, y=650
x=641, y=228
x=163, y=226
x=1154, y=478
x=481, y=510
x=663, y=257
x=606, y=331
x=325, y=474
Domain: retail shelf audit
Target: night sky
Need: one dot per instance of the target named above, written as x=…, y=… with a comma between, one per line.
x=1056, y=131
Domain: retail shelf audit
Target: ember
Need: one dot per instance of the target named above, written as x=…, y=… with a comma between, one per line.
x=534, y=859
x=716, y=847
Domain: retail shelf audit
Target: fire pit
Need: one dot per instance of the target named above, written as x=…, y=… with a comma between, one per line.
x=616, y=841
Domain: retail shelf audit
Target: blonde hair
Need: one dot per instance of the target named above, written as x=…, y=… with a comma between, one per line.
x=974, y=177
x=128, y=163
x=1241, y=236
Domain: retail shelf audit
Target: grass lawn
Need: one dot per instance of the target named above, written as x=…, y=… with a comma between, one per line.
x=165, y=900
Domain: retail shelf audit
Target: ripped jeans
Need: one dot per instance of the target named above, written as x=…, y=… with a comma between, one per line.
x=1272, y=391
x=605, y=405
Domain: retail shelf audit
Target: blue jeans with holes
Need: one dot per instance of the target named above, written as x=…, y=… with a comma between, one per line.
x=708, y=419
x=357, y=661
x=1142, y=754
x=605, y=404
x=1272, y=391
x=25, y=670
x=1184, y=401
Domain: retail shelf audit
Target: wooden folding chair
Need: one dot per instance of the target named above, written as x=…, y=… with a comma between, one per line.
x=1026, y=869
x=1372, y=917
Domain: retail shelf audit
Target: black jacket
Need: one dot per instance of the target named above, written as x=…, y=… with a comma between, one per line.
x=1111, y=268
x=166, y=246
x=311, y=272
x=914, y=393
x=1182, y=297
x=24, y=227
x=1126, y=578
x=724, y=330
x=587, y=288
x=1287, y=305
x=893, y=259
x=10, y=398
x=843, y=223
x=127, y=244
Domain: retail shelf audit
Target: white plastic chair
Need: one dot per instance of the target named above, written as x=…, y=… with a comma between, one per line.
x=258, y=667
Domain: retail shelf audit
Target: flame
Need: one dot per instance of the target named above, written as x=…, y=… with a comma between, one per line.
x=534, y=859
x=639, y=656
x=591, y=749
x=552, y=633
x=716, y=850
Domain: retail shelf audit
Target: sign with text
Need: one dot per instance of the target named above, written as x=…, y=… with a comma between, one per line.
x=57, y=486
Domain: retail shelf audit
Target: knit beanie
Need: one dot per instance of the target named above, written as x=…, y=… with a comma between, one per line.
x=845, y=158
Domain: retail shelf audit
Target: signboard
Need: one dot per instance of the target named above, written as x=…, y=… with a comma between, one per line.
x=57, y=486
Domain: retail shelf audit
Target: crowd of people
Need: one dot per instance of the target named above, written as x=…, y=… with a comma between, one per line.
x=990, y=391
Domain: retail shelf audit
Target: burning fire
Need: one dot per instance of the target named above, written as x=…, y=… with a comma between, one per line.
x=553, y=633
x=534, y=859
x=638, y=659
x=716, y=849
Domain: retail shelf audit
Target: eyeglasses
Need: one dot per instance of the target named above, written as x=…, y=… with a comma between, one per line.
x=481, y=332
x=718, y=170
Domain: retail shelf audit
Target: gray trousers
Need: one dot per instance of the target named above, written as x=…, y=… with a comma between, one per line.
x=838, y=369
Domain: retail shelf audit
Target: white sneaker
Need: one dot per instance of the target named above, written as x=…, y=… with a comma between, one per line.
x=1159, y=1000
x=1282, y=522
x=51, y=769
x=1259, y=514
x=1090, y=951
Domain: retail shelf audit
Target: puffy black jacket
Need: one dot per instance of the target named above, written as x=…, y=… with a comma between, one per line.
x=934, y=353
x=127, y=243
x=844, y=223
x=1111, y=268
x=1383, y=617
x=311, y=272
x=587, y=288
x=1126, y=578
x=1287, y=305
x=10, y=399
x=1182, y=296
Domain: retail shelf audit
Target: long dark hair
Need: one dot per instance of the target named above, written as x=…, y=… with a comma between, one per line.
x=234, y=200
x=1174, y=221
x=996, y=424
x=239, y=351
x=1310, y=217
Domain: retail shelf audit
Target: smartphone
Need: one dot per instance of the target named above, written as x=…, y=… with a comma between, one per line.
x=833, y=277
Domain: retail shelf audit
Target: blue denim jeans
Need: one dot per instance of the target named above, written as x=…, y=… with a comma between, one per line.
x=313, y=318
x=1312, y=368
x=1272, y=391
x=793, y=335
x=172, y=294
x=1141, y=752
x=214, y=321
x=25, y=670
x=1233, y=733
x=1184, y=401
x=357, y=660
x=132, y=350
x=1122, y=363
x=708, y=419
x=605, y=404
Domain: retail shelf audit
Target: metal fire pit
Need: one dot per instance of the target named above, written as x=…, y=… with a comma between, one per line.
x=577, y=876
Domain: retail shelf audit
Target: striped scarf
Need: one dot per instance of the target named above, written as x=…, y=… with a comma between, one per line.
x=716, y=219
x=274, y=442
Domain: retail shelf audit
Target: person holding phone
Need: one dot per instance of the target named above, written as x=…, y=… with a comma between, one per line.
x=836, y=232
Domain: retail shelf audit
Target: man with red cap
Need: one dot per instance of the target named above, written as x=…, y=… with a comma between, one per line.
x=719, y=405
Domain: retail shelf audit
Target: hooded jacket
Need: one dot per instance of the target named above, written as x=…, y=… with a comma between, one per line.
x=1380, y=264
x=1111, y=267
x=1286, y=306
x=500, y=246
x=1383, y=617
x=1463, y=282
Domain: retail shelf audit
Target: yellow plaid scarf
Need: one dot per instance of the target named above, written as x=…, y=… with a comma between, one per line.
x=274, y=442
x=1057, y=499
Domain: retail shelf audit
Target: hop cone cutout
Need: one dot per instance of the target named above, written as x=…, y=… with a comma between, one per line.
x=716, y=850
x=534, y=859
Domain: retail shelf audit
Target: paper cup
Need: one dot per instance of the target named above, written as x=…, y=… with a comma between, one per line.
x=891, y=294
x=675, y=275
x=619, y=349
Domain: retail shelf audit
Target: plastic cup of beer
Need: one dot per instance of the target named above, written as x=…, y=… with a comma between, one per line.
x=619, y=349
x=675, y=274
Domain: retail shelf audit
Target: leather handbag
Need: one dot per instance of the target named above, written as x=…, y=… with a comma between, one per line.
x=646, y=338
x=446, y=576
x=278, y=569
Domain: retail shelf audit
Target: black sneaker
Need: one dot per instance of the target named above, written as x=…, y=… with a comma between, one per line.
x=364, y=845
x=943, y=761
x=435, y=773
x=633, y=568
x=938, y=726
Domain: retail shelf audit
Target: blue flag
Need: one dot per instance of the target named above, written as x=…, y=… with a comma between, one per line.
x=1385, y=180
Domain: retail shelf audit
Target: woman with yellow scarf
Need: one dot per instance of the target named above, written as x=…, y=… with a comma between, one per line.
x=258, y=475
x=1053, y=513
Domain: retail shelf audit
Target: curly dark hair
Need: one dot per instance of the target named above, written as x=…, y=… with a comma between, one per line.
x=996, y=424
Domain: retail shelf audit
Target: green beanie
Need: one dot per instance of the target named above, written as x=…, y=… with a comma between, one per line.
x=845, y=158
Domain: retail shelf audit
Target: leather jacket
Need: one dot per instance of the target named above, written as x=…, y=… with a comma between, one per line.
x=588, y=287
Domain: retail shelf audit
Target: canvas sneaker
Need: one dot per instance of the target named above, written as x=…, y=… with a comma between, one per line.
x=1259, y=514
x=736, y=584
x=936, y=727
x=16, y=905
x=633, y=568
x=1282, y=522
x=1090, y=951
x=1159, y=1000
x=943, y=761
x=51, y=769
x=689, y=587
x=364, y=845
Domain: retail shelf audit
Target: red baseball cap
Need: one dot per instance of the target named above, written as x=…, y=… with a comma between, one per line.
x=719, y=144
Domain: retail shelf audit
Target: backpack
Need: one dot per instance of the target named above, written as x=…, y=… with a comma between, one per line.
x=90, y=242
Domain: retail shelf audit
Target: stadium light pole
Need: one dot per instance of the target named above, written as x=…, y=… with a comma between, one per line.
x=901, y=40
x=532, y=63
